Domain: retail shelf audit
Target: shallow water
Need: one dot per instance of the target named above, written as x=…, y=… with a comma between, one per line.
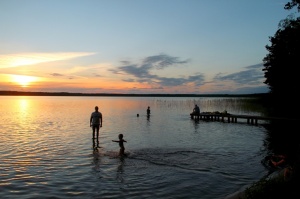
x=46, y=148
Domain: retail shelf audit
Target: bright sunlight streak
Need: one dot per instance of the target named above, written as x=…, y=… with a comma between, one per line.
x=13, y=60
x=23, y=80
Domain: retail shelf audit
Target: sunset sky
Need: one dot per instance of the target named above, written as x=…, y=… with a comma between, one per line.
x=136, y=46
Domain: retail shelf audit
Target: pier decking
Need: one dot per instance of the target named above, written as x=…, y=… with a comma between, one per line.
x=251, y=119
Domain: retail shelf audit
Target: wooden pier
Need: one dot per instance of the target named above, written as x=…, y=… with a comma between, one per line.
x=251, y=119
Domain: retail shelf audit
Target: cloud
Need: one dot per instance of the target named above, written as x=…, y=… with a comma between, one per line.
x=22, y=59
x=197, y=79
x=254, y=75
x=256, y=66
x=97, y=75
x=149, y=63
x=56, y=74
x=142, y=71
x=161, y=61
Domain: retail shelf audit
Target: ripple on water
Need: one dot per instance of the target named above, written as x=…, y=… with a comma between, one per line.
x=48, y=151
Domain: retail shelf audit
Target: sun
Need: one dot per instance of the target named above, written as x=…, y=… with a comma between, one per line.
x=23, y=80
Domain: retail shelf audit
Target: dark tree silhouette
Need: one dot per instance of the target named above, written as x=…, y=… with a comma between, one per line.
x=292, y=4
x=281, y=66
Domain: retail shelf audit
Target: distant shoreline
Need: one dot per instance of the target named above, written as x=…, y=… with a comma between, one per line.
x=24, y=93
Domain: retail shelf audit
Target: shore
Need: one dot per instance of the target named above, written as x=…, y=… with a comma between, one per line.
x=240, y=194
x=281, y=183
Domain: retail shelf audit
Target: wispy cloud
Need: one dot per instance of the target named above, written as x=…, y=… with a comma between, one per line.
x=253, y=75
x=22, y=59
x=56, y=74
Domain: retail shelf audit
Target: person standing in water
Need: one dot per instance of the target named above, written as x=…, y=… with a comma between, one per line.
x=148, y=111
x=96, y=122
x=121, y=144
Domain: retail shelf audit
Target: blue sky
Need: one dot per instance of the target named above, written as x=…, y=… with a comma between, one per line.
x=136, y=46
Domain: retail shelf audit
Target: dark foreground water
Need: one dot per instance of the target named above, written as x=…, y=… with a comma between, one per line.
x=46, y=150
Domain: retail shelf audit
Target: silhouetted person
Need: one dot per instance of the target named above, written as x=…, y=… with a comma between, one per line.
x=148, y=111
x=96, y=122
x=196, y=110
x=121, y=144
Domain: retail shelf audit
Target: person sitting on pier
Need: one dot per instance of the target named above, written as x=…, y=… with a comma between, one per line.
x=196, y=110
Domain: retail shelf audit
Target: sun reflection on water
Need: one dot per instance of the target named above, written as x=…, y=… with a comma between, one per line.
x=23, y=106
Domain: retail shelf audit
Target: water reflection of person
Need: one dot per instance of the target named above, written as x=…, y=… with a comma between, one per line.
x=148, y=118
x=96, y=160
x=95, y=144
x=120, y=170
x=196, y=123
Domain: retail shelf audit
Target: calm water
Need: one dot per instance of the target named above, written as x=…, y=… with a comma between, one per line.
x=46, y=149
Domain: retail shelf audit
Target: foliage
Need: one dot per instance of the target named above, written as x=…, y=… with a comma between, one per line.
x=281, y=62
x=281, y=74
x=292, y=4
x=280, y=65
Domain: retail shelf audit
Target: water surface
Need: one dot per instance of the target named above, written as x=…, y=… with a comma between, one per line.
x=46, y=149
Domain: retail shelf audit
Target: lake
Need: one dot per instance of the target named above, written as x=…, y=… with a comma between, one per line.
x=46, y=148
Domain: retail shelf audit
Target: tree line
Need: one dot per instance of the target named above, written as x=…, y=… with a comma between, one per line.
x=280, y=65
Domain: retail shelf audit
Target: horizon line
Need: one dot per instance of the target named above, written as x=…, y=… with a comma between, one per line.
x=41, y=93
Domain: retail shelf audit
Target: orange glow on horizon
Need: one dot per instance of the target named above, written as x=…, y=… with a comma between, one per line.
x=65, y=83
